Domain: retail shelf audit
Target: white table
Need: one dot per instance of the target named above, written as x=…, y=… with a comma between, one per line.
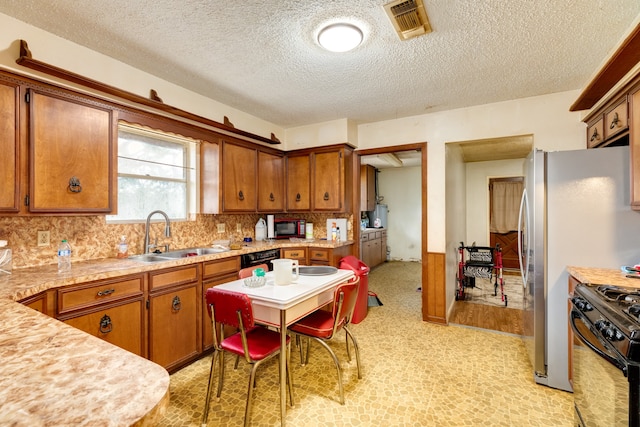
x=280, y=306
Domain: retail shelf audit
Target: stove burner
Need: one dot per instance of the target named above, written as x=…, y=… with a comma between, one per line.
x=634, y=311
x=619, y=294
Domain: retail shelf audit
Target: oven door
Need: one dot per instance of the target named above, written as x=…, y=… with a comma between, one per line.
x=600, y=383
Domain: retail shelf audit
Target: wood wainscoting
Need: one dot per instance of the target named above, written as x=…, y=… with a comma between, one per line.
x=434, y=291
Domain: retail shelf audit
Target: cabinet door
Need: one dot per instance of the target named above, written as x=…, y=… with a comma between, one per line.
x=367, y=188
x=328, y=181
x=270, y=182
x=174, y=332
x=9, y=143
x=298, y=183
x=120, y=324
x=71, y=156
x=238, y=178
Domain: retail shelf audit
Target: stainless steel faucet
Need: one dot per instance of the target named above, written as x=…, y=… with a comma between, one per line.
x=167, y=231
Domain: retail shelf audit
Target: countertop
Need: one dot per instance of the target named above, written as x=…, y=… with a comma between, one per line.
x=54, y=374
x=602, y=276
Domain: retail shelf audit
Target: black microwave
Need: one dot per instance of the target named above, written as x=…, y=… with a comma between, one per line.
x=285, y=228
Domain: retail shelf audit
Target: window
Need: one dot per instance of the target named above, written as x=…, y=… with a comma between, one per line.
x=155, y=171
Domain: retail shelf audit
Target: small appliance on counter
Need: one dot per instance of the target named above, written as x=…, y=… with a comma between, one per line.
x=285, y=228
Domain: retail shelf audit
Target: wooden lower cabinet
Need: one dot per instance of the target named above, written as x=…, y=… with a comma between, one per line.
x=373, y=247
x=175, y=312
x=110, y=309
x=120, y=324
x=174, y=336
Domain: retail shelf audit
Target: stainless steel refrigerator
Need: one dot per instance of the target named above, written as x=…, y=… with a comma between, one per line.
x=575, y=212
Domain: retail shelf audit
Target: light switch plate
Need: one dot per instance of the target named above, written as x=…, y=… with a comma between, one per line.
x=221, y=228
x=239, y=228
x=44, y=238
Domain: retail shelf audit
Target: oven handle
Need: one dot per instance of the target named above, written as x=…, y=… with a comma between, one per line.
x=614, y=361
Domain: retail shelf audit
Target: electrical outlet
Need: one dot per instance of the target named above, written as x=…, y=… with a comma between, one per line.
x=221, y=228
x=239, y=228
x=44, y=238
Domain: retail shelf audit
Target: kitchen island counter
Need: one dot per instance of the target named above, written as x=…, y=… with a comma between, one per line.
x=54, y=374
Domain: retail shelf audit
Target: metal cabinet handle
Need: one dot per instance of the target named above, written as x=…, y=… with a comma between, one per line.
x=240, y=195
x=614, y=121
x=326, y=195
x=105, y=324
x=271, y=197
x=595, y=135
x=74, y=185
x=106, y=292
x=176, y=304
x=298, y=197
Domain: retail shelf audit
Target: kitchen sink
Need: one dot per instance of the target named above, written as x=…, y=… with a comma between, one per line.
x=182, y=253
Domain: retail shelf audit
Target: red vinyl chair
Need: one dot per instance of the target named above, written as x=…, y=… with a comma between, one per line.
x=323, y=325
x=247, y=272
x=255, y=343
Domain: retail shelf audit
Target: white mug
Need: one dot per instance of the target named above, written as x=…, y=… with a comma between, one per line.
x=283, y=270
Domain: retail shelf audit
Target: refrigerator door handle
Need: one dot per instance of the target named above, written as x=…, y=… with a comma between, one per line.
x=524, y=260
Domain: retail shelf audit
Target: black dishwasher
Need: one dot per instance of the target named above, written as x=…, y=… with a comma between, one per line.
x=260, y=257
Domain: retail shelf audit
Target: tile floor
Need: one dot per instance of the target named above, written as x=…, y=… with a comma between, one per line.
x=414, y=374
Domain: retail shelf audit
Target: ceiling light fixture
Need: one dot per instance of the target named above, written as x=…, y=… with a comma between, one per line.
x=340, y=37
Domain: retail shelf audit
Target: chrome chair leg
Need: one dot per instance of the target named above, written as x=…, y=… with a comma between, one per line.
x=356, y=350
x=221, y=376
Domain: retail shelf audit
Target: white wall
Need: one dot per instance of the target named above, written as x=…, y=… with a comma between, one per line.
x=456, y=208
x=402, y=192
x=546, y=117
x=477, y=189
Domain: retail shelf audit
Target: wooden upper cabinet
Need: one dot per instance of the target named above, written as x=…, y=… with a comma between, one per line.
x=9, y=147
x=328, y=180
x=239, y=165
x=270, y=182
x=72, y=155
x=367, y=188
x=299, y=183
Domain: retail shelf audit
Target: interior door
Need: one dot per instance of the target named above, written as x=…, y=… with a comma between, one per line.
x=507, y=241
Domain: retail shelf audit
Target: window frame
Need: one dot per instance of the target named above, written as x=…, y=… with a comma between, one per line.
x=190, y=166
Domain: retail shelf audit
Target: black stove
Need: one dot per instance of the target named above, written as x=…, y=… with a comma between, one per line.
x=614, y=311
x=606, y=358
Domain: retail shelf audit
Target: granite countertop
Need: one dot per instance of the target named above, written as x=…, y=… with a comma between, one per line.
x=602, y=276
x=54, y=374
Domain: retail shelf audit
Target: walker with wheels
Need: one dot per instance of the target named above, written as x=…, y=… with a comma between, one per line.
x=483, y=262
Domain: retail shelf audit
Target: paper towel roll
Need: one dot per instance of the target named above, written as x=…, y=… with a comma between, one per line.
x=308, y=231
x=270, y=227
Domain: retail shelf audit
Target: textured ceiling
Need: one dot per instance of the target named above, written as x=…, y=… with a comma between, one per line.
x=261, y=56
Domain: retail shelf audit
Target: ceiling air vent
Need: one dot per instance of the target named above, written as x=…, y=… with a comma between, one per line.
x=409, y=18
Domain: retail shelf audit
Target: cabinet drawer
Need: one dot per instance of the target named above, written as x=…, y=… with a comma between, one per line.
x=80, y=296
x=378, y=235
x=615, y=120
x=173, y=276
x=293, y=253
x=222, y=266
x=364, y=237
x=319, y=255
x=595, y=133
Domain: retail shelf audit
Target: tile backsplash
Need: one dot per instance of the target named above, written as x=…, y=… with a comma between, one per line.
x=91, y=237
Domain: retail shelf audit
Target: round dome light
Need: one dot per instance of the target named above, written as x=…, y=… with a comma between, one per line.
x=340, y=37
